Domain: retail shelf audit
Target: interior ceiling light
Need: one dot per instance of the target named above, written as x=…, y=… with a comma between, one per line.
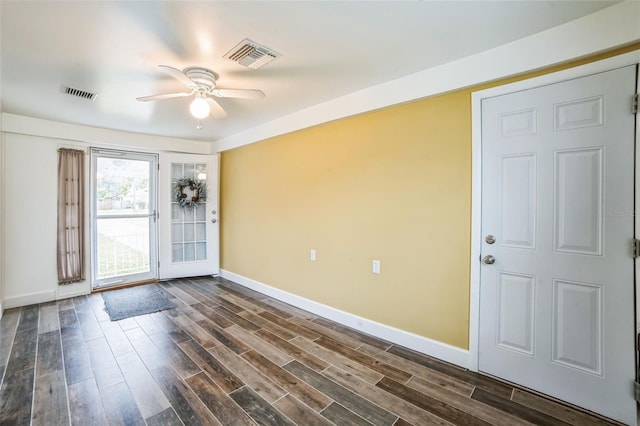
x=200, y=107
x=201, y=83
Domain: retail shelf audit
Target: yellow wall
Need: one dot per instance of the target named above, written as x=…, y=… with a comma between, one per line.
x=393, y=185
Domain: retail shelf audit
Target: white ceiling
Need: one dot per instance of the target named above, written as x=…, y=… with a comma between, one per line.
x=328, y=49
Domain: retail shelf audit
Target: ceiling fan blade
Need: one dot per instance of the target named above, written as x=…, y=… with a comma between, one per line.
x=239, y=93
x=216, y=109
x=178, y=75
x=163, y=96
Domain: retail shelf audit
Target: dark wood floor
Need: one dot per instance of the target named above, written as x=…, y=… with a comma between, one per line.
x=230, y=356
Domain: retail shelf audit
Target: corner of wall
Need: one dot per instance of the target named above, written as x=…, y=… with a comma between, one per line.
x=2, y=169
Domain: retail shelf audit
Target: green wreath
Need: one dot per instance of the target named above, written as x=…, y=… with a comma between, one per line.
x=190, y=192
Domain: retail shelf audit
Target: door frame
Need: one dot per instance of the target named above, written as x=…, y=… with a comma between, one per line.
x=604, y=65
x=94, y=154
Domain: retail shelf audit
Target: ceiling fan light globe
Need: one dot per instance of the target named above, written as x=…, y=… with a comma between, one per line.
x=199, y=108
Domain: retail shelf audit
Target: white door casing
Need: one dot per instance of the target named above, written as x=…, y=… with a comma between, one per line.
x=189, y=237
x=556, y=307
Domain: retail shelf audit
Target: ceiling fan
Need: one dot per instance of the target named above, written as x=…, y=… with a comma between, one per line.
x=202, y=85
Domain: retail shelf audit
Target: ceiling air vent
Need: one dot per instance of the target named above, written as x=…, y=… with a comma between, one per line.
x=251, y=54
x=79, y=93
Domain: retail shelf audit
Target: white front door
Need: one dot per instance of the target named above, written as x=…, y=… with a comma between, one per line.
x=557, y=304
x=189, y=232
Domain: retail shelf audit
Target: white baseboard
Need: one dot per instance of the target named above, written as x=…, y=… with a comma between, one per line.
x=29, y=299
x=407, y=339
x=1, y=310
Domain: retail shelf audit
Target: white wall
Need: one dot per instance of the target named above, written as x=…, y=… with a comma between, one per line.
x=1, y=219
x=30, y=219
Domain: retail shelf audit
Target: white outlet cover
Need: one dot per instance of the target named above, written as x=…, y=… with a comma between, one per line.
x=376, y=266
x=312, y=255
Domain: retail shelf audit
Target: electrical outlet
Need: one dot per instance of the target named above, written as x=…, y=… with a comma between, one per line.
x=376, y=266
x=312, y=255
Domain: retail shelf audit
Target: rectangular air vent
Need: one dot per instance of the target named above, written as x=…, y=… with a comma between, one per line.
x=79, y=93
x=251, y=54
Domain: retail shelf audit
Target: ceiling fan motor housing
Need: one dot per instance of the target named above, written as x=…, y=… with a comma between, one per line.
x=204, y=78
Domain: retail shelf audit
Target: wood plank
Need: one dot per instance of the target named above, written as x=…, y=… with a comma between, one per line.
x=127, y=323
x=268, y=325
x=354, y=334
x=474, y=379
x=182, y=398
x=49, y=358
x=86, y=408
x=361, y=358
x=338, y=360
x=116, y=338
x=166, y=417
x=257, y=302
x=146, y=392
x=23, y=352
x=89, y=325
x=425, y=373
x=299, y=412
x=236, y=319
x=241, y=302
x=148, y=352
x=427, y=403
x=515, y=409
x=341, y=416
x=298, y=388
x=65, y=304
x=212, y=315
x=365, y=409
x=105, y=368
x=218, y=402
x=194, y=330
x=15, y=397
x=557, y=410
x=223, y=337
x=293, y=311
x=177, y=291
x=48, y=318
x=148, y=324
x=120, y=407
x=464, y=403
x=260, y=410
x=292, y=327
x=28, y=318
x=77, y=366
x=298, y=354
x=259, y=345
x=389, y=402
x=323, y=331
x=216, y=370
x=265, y=387
x=174, y=355
x=50, y=399
x=8, y=328
x=175, y=332
x=69, y=325
x=97, y=306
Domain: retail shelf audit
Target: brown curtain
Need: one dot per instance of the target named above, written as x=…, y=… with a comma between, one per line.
x=70, y=216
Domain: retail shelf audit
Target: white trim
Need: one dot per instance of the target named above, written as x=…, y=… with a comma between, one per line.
x=76, y=293
x=421, y=344
x=1, y=310
x=476, y=166
x=12, y=123
x=30, y=299
x=606, y=29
